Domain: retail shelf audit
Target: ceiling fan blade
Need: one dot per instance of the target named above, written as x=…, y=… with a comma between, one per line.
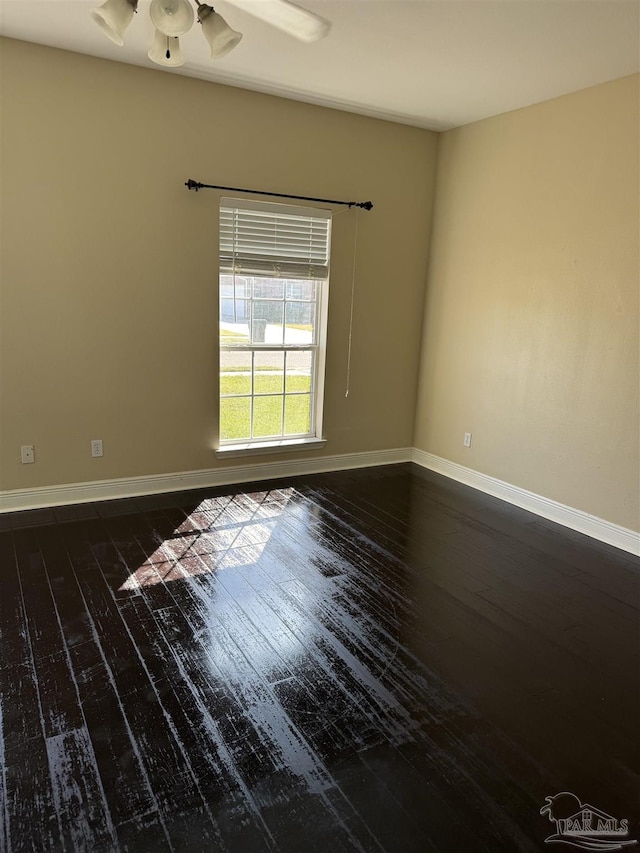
x=292, y=19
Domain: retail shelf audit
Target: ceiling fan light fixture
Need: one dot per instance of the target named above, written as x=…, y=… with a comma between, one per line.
x=113, y=17
x=171, y=17
x=166, y=50
x=221, y=37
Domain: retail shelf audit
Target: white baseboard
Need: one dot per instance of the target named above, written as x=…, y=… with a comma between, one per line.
x=576, y=519
x=100, y=490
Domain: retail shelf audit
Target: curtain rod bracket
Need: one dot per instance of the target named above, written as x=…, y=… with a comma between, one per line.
x=196, y=185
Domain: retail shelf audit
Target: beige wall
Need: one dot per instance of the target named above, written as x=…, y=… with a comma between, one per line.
x=531, y=325
x=109, y=265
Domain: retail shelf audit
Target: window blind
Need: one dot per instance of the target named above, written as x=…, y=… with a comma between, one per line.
x=258, y=239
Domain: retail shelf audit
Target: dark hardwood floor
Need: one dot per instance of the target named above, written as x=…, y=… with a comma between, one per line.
x=376, y=660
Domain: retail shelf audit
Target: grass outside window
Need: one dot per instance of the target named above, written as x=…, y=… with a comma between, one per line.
x=235, y=411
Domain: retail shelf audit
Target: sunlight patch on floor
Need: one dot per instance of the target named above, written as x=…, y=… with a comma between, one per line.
x=220, y=533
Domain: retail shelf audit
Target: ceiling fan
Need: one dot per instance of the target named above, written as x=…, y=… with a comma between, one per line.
x=173, y=18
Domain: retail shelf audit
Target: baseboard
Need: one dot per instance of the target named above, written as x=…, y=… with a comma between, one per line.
x=100, y=490
x=576, y=519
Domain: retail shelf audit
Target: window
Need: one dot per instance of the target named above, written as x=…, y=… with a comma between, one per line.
x=274, y=265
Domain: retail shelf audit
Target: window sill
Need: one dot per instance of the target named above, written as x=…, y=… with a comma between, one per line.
x=266, y=447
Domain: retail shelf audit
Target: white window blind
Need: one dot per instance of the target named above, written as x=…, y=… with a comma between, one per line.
x=260, y=239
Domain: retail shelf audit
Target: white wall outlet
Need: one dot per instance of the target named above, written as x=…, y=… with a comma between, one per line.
x=467, y=439
x=96, y=447
x=27, y=454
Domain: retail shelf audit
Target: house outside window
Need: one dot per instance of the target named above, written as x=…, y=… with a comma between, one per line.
x=274, y=270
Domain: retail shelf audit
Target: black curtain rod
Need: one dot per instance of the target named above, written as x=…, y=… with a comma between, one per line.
x=196, y=185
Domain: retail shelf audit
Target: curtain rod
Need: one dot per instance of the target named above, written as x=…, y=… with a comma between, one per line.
x=196, y=185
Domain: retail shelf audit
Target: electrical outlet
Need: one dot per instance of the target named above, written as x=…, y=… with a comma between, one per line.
x=27, y=454
x=467, y=439
x=96, y=447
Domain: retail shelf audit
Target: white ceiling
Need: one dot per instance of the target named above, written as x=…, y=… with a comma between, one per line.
x=430, y=63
